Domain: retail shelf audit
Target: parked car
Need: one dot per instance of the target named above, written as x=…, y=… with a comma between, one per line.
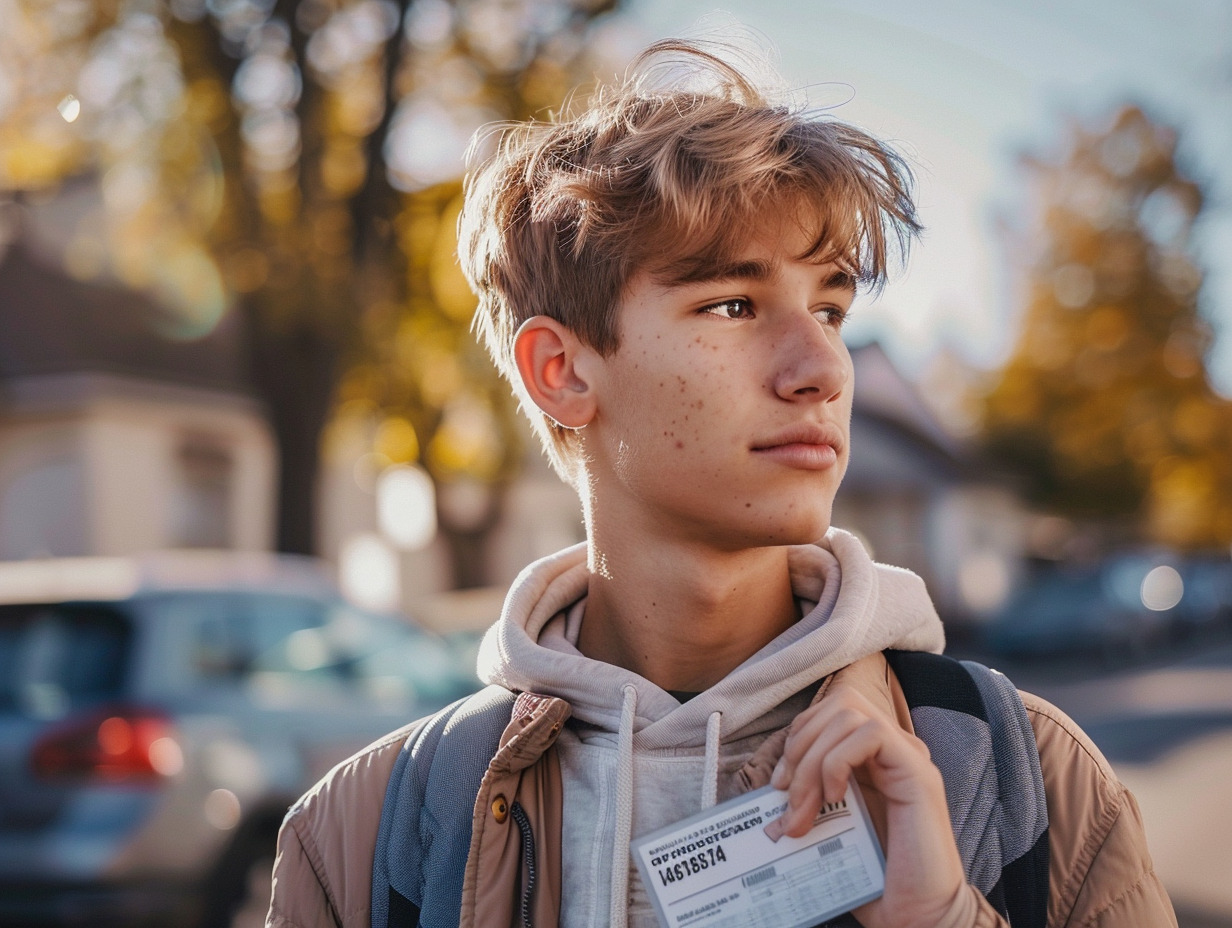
x=158, y=715
x=1088, y=611
x=1206, y=606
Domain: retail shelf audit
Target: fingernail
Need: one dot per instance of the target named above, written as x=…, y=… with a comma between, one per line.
x=774, y=830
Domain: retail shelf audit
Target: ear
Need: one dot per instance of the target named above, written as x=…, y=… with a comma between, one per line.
x=551, y=360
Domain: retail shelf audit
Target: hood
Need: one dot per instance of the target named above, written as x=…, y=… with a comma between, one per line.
x=852, y=607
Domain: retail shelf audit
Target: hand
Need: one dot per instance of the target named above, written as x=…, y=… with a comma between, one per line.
x=844, y=734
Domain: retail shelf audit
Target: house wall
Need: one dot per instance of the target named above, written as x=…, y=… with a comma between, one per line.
x=101, y=465
x=172, y=475
x=978, y=538
x=44, y=498
x=891, y=524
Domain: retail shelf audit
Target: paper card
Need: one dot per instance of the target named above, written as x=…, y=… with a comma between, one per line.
x=731, y=865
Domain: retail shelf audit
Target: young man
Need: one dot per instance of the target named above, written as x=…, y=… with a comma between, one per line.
x=664, y=279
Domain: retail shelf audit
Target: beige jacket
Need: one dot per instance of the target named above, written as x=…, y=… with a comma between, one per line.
x=1099, y=867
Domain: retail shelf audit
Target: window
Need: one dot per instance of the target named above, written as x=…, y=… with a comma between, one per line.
x=201, y=498
x=56, y=658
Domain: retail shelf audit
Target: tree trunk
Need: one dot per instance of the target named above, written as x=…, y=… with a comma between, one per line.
x=295, y=374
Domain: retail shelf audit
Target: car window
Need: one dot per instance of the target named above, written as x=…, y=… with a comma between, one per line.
x=283, y=647
x=55, y=658
x=336, y=645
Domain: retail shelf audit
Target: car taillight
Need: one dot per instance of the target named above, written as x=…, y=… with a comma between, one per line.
x=113, y=745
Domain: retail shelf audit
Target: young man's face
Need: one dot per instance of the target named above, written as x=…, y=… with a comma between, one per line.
x=723, y=417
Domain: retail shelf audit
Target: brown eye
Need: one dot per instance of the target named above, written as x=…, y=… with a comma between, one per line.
x=833, y=316
x=731, y=309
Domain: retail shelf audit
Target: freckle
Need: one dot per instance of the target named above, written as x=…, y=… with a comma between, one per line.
x=748, y=505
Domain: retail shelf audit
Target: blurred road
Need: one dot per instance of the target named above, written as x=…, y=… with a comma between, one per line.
x=1166, y=726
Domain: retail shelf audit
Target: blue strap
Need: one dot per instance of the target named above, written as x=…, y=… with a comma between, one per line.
x=425, y=831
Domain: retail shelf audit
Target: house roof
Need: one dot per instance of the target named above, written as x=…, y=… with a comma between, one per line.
x=902, y=440
x=54, y=324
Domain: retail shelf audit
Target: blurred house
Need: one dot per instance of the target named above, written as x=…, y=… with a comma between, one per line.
x=921, y=499
x=114, y=437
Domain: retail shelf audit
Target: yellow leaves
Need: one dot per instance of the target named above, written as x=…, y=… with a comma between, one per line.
x=331, y=231
x=1182, y=357
x=467, y=442
x=1196, y=421
x=28, y=162
x=1147, y=441
x=1107, y=328
x=438, y=373
x=1103, y=403
x=1186, y=507
x=187, y=281
x=356, y=103
x=453, y=294
x=545, y=83
x=1016, y=401
x=279, y=200
x=343, y=167
x=207, y=103
x=396, y=440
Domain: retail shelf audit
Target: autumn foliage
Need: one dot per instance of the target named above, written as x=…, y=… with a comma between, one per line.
x=1105, y=406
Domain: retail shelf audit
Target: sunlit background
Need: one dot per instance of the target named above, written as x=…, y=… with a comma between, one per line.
x=231, y=317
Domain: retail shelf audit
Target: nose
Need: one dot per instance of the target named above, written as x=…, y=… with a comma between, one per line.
x=812, y=363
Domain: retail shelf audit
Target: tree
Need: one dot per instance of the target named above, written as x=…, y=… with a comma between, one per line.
x=297, y=163
x=1105, y=405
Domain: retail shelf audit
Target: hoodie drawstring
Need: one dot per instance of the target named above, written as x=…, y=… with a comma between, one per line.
x=710, y=775
x=619, y=904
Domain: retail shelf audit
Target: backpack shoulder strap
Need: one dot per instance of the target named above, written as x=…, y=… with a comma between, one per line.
x=425, y=831
x=980, y=737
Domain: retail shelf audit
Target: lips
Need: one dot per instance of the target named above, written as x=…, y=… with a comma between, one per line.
x=809, y=446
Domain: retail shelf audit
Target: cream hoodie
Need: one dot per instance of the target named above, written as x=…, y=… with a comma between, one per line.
x=633, y=759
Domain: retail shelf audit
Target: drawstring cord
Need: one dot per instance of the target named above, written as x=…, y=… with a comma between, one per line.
x=624, y=810
x=619, y=905
x=710, y=775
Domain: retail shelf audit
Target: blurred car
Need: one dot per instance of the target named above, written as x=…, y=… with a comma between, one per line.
x=1206, y=604
x=158, y=716
x=1087, y=611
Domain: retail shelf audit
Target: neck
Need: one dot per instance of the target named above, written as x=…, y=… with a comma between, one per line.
x=683, y=616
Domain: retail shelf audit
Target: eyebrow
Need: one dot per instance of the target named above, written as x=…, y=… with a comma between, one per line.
x=705, y=272
x=752, y=270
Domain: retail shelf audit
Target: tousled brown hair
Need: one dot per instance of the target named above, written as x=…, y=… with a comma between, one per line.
x=670, y=180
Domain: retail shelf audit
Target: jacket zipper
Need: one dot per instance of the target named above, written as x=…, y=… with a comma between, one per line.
x=528, y=856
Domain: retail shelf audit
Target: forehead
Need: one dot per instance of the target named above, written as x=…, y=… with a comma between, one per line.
x=758, y=255
x=754, y=243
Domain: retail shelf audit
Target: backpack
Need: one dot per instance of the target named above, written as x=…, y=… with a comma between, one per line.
x=971, y=718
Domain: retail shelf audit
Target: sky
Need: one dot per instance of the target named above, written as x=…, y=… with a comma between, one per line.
x=964, y=88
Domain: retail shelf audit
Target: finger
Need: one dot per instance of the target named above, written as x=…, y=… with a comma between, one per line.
x=826, y=726
x=808, y=724
x=825, y=771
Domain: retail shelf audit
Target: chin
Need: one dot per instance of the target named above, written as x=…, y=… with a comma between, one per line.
x=803, y=531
